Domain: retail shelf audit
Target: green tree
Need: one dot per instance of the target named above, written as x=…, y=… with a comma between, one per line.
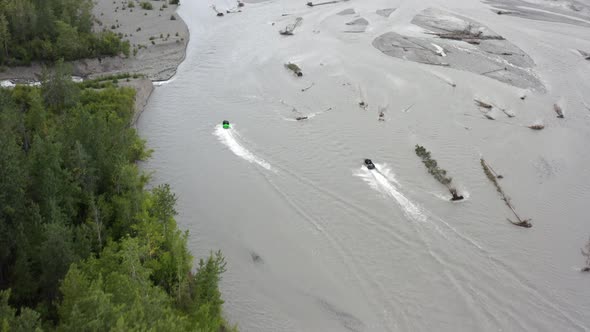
x=58, y=89
x=69, y=45
x=22, y=16
x=207, y=278
x=27, y=321
x=115, y=291
x=84, y=242
x=4, y=39
x=10, y=206
x=51, y=29
x=56, y=254
x=85, y=306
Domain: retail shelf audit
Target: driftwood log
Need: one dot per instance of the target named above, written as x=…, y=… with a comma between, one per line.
x=558, y=110
x=483, y=104
x=311, y=4
x=526, y=223
x=294, y=68
x=290, y=28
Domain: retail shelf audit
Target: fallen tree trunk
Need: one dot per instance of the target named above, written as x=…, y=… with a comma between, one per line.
x=483, y=104
x=311, y=4
x=526, y=223
x=438, y=173
x=468, y=37
x=289, y=29
x=309, y=87
x=537, y=126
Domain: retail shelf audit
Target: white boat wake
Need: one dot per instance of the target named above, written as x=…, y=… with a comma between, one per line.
x=308, y=116
x=382, y=180
x=230, y=138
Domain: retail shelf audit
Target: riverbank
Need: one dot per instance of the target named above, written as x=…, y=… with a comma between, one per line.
x=158, y=38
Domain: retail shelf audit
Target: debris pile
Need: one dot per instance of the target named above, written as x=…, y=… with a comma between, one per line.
x=290, y=28
x=487, y=108
x=558, y=110
x=294, y=68
x=537, y=126
x=468, y=35
x=216, y=11
x=362, y=103
x=483, y=104
x=382, y=110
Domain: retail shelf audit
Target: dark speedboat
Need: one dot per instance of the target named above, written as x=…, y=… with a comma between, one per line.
x=369, y=164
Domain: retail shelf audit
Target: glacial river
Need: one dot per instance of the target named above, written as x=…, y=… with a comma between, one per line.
x=315, y=241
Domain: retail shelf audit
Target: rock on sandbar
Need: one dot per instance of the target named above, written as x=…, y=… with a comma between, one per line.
x=358, y=25
x=358, y=21
x=385, y=12
x=349, y=11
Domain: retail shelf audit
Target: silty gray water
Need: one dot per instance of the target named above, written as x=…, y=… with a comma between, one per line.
x=340, y=247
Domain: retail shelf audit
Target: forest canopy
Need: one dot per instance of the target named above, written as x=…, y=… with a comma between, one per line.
x=47, y=30
x=85, y=246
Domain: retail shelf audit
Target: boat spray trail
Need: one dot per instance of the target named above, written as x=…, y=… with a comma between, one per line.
x=230, y=138
x=385, y=183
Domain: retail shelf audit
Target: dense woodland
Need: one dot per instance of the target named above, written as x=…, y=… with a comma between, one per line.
x=84, y=245
x=48, y=30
